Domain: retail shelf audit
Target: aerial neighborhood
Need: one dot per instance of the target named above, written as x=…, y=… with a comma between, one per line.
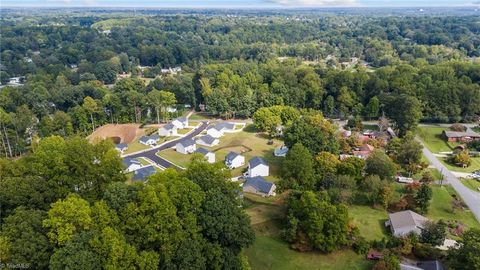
x=246, y=135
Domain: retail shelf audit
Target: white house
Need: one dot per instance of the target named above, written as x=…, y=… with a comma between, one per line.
x=144, y=172
x=215, y=132
x=168, y=130
x=234, y=160
x=258, y=185
x=208, y=140
x=181, y=122
x=258, y=166
x=121, y=147
x=186, y=146
x=210, y=156
x=226, y=126
x=131, y=164
x=149, y=140
x=280, y=151
x=405, y=222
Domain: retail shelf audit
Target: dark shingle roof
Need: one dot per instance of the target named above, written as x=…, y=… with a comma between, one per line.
x=144, y=139
x=182, y=119
x=143, y=173
x=207, y=139
x=225, y=125
x=255, y=161
x=169, y=126
x=231, y=156
x=259, y=184
x=187, y=142
x=202, y=151
x=129, y=161
x=121, y=145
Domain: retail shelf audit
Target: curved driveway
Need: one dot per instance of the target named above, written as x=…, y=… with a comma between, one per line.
x=151, y=154
x=470, y=197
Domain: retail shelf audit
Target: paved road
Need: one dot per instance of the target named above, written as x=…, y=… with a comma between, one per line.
x=152, y=153
x=470, y=197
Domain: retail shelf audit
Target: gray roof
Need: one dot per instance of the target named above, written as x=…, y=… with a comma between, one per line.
x=225, y=125
x=207, y=139
x=231, y=156
x=458, y=134
x=144, y=139
x=255, y=161
x=155, y=137
x=187, y=142
x=202, y=151
x=215, y=127
x=143, y=173
x=281, y=150
x=182, y=119
x=430, y=265
x=406, y=219
x=129, y=161
x=259, y=184
x=169, y=126
x=121, y=146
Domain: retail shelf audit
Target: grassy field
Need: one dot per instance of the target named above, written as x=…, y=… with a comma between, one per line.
x=473, y=167
x=432, y=137
x=471, y=184
x=175, y=157
x=370, y=221
x=441, y=207
x=184, y=131
x=273, y=253
x=135, y=146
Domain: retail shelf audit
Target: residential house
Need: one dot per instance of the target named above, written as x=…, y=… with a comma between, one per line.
x=258, y=185
x=258, y=166
x=144, y=172
x=181, y=122
x=209, y=156
x=121, y=147
x=234, y=160
x=149, y=140
x=281, y=151
x=208, y=140
x=215, y=132
x=405, y=222
x=131, y=164
x=364, y=151
x=168, y=130
x=186, y=146
x=226, y=126
x=456, y=136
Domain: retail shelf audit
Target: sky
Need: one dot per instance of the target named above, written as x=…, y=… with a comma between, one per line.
x=239, y=3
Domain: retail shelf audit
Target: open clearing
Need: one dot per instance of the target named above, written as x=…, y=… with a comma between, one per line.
x=125, y=132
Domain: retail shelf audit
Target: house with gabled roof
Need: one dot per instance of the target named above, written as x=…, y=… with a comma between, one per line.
x=144, y=172
x=186, y=146
x=209, y=155
x=257, y=166
x=149, y=140
x=405, y=222
x=364, y=151
x=225, y=126
x=208, y=140
x=258, y=185
x=281, y=151
x=168, y=130
x=215, y=132
x=234, y=160
x=181, y=122
x=131, y=164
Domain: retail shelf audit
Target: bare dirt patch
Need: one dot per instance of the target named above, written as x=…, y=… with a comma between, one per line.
x=120, y=133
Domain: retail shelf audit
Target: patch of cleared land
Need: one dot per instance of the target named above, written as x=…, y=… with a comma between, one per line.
x=370, y=221
x=175, y=157
x=126, y=133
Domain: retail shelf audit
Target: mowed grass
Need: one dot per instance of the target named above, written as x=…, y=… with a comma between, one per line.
x=370, y=221
x=432, y=137
x=173, y=156
x=271, y=252
x=441, y=207
x=135, y=146
x=471, y=184
x=184, y=131
x=474, y=166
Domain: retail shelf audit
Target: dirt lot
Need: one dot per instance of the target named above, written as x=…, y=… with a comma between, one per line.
x=120, y=133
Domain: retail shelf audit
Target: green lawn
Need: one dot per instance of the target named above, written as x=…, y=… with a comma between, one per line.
x=269, y=252
x=432, y=137
x=135, y=146
x=471, y=184
x=473, y=167
x=370, y=221
x=441, y=207
x=175, y=157
x=184, y=131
